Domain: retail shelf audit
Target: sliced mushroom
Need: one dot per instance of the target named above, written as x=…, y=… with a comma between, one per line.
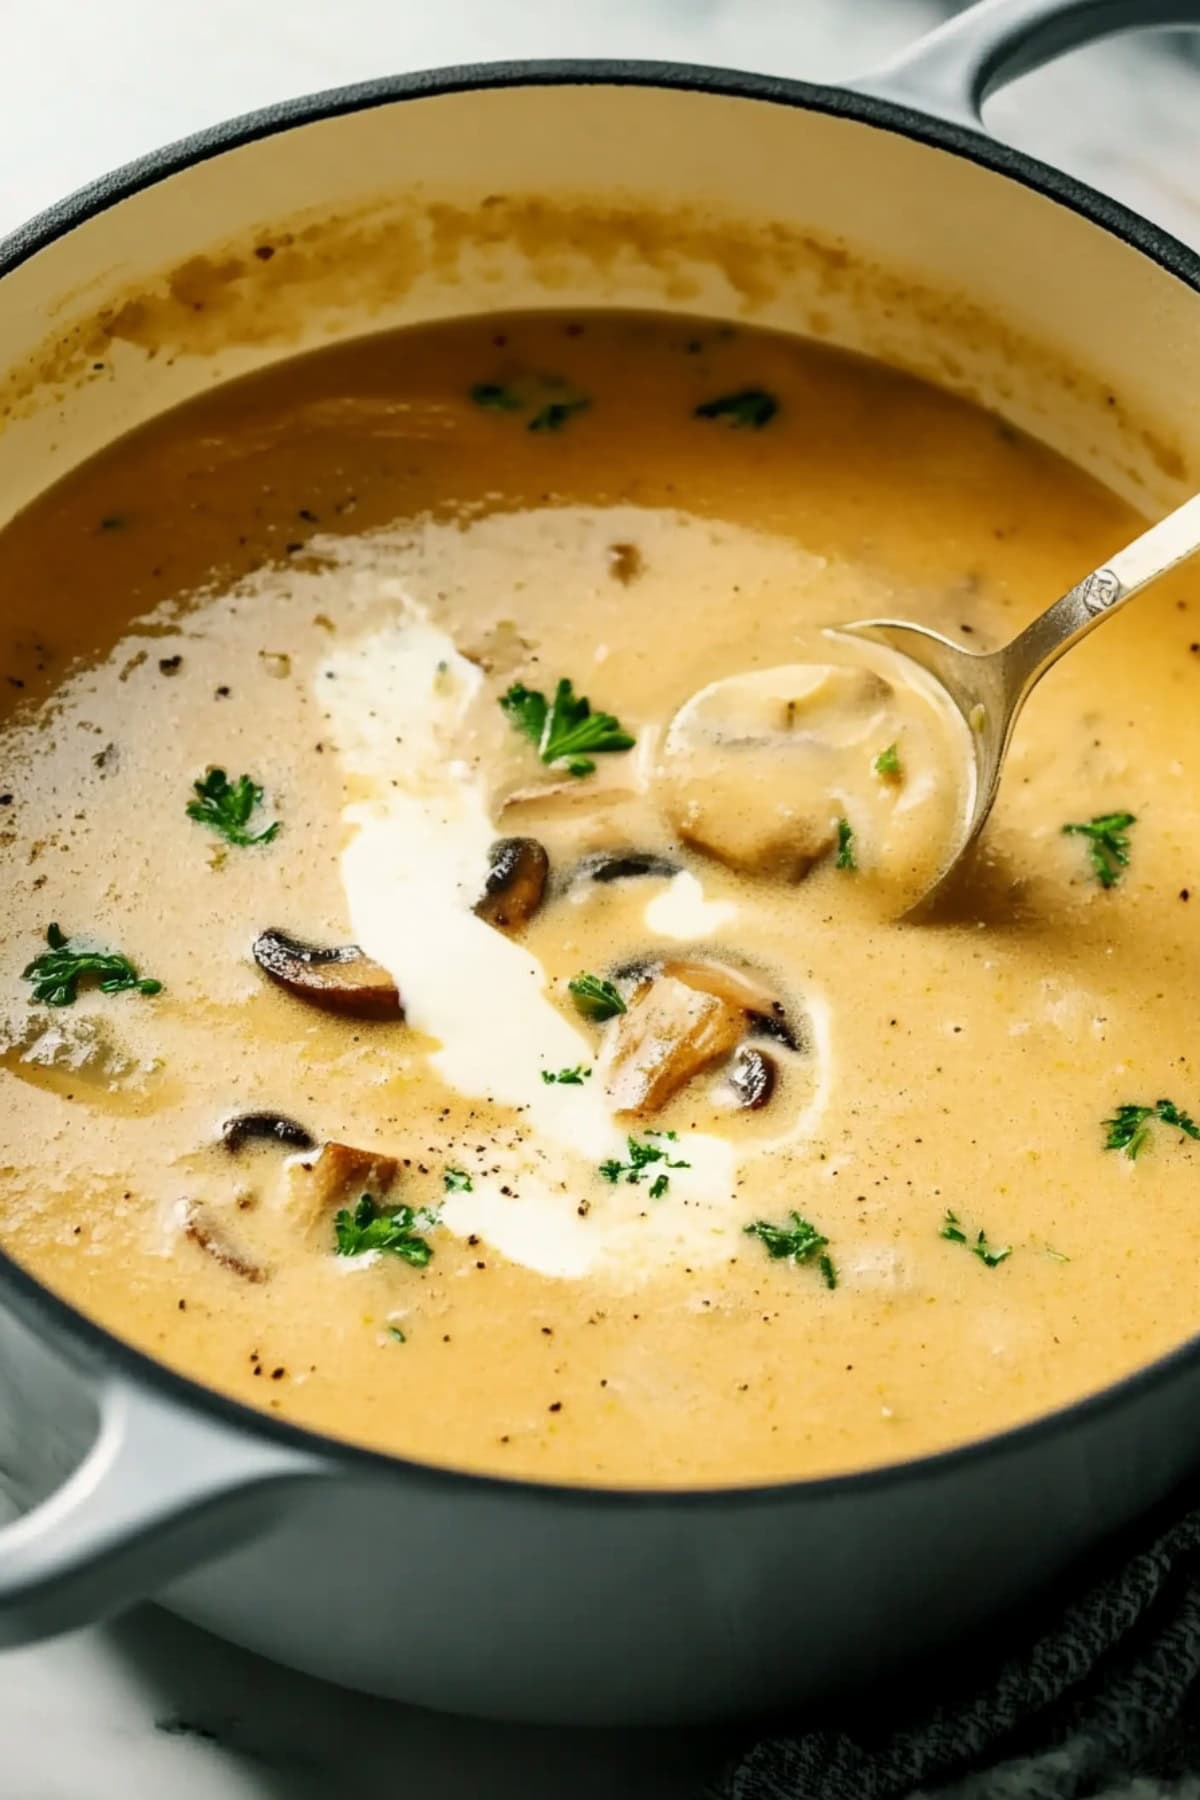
x=200, y=1227
x=339, y=1175
x=765, y=1015
x=500, y=649
x=569, y=802
x=341, y=980
x=752, y=1077
x=268, y=1127
x=515, y=885
x=623, y=865
x=669, y=1032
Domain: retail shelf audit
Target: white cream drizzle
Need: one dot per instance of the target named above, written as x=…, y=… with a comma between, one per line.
x=419, y=840
x=681, y=911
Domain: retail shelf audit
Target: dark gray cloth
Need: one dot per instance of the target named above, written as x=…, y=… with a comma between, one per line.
x=1094, y=1708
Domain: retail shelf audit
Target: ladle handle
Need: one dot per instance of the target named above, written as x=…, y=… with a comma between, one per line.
x=951, y=71
x=1100, y=594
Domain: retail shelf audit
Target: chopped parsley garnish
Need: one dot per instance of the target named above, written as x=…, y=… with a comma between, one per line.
x=225, y=806
x=595, y=997
x=1129, y=1127
x=565, y=728
x=1107, y=844
x=554, y=415
x=394, y=1331
x=368, y=1228
x=845, y=845
x=800, y=1242
x=749, y=407
x=953, y=1232
x=643, y=1156
x=568, y=1077
x=496, y=396
x=531, y=393
x=887, y=763
x=57, y=972
x=457, y=1181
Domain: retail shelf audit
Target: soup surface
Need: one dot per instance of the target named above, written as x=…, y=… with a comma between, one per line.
x=391, y=1041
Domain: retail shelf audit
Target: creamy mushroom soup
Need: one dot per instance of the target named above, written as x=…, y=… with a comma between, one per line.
x=452, y=985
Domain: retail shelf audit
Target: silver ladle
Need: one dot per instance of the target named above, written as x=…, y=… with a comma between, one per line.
x=989, y=688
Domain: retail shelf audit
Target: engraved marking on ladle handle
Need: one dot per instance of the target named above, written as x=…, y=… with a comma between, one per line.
x=1100, y=590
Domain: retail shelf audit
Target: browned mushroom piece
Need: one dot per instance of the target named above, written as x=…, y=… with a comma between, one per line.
x=752, y=765
x=683, y=1016
x=339, y=1175
x=752, y=1077
x=342, y=980
x=669, y=1032
x=624, y=563
x=765, y=1015
x=265, y=1127
x=516, y=883
x=203, y=1231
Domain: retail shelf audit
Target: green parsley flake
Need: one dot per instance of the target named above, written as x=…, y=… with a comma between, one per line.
x=368, y=1228
x=642, y=1156
x=799, y=1243
x=554, y=415
x=496, y=396
x=747, y=409
x=1107, y=844
x=953, y=1232
x=887, y=763
x=226, y=806
x=565, y=728
x=1129, y=1127
x=394, y=1331
x=457, y=1181
x=547, y=396
x=845, y=846
x=568, y=1077
x=595, y=997
x=57, y=972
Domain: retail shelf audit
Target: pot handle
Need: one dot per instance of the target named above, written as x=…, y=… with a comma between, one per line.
x=952, y=70
x=160, y=1491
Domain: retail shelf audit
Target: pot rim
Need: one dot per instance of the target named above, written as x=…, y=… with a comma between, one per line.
x=48, y=1314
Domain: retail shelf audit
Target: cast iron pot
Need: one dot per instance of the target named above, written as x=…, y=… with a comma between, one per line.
x=876, y=215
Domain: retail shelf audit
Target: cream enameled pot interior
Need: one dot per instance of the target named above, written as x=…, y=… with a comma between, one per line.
x=601, y=194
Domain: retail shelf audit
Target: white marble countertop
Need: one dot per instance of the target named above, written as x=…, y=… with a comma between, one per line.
x=149, y=1707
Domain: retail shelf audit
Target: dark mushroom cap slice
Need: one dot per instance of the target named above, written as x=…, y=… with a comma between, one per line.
x=623, y=865
x=774, y=1023
x=265, y=1127
x=752, y=1077
x=341, y=980
x=203, y=1231
x=516, y=883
